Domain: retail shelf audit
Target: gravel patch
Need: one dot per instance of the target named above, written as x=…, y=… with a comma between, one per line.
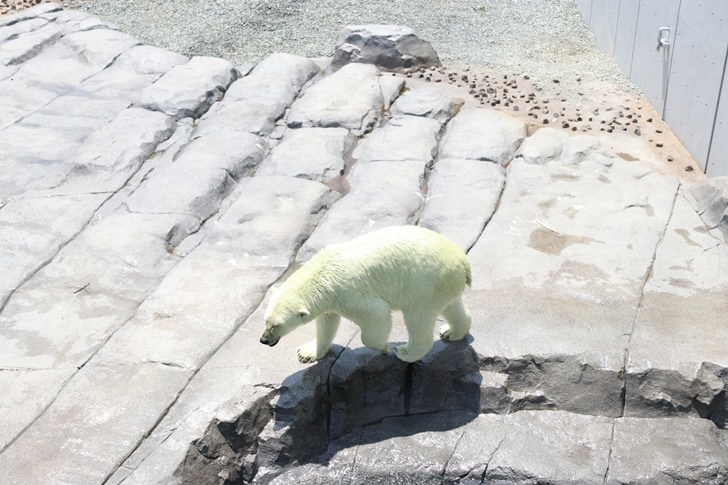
x=545, y=39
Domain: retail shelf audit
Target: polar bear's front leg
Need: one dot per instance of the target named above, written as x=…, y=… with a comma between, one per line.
x=326, y=326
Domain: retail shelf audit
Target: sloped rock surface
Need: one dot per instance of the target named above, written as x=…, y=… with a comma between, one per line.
x=145, y=230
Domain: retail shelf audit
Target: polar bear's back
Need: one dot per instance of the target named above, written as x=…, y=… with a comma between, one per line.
x=404, y=265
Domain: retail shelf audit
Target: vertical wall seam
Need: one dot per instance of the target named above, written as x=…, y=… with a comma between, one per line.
x=616, y=29
x=673, y=43
x=715, y=114
x=634, y=39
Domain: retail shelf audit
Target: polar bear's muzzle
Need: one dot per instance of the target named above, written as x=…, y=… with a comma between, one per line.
x=269, y=341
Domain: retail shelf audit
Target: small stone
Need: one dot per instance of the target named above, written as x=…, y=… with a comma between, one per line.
x=637, y=131
x=670, y=158
x=545, y=121
x=658, y=145
x=556, y=81
x=689, y=168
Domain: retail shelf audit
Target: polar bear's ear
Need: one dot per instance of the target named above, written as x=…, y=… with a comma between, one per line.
x=303, y=313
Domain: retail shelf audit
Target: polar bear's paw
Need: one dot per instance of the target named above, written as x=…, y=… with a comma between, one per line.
x=447, y=333
x=307, y=353
x=406, y=354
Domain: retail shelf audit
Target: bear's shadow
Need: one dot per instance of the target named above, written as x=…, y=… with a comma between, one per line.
x=360, y=396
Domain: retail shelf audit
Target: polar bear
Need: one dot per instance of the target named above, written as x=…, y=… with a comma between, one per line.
x=405, y=268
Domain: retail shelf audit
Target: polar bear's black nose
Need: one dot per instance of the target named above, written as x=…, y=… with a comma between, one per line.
x=264, y=340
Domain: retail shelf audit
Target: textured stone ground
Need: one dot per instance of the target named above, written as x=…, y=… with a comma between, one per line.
x=148, y=201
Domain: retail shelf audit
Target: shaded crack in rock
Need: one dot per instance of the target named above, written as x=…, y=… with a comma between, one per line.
x=640, y=301
x=425, y=177
x=449, y=458
x=609, y=454
x=490, y=458
x=496, y=207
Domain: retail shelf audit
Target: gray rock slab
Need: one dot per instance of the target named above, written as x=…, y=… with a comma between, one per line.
x=483, y=134
x=27, y=40
x=358, y=213
x=93, y=286
x=201, y=176
x=23, y=146
x=248, y=249
x=163, y=155
x=54, y=65
x=422, y=457
x=461, y=198
x=402, y=137
x=26, y=393
x=112, y=154
x=75, y=57
x=407, y=176
x=436, y=102
x=583, y=301
x=681, y=322
x=556, y=325
x=309, y=153
x=390, y=47
x=349, y=98
x=668, y=450
x=554, y=446
x=131, y=72
x=95, y=422
x=588, y=229
x=238, y=374
x=254, y=103
x=188, y=90
x=29, y=13
x=34, y=229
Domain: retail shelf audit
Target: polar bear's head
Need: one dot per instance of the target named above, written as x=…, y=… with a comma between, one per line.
x=283, y=316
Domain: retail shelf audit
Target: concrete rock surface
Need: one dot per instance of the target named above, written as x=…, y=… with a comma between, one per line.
x=149, y=202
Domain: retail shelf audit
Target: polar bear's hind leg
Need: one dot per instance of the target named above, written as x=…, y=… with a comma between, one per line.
x=458, y=321
x=420, y=325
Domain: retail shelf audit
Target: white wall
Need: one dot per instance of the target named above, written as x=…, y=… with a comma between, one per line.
x=686, y=82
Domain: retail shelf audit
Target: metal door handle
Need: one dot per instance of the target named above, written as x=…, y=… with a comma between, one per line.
x=663, y=37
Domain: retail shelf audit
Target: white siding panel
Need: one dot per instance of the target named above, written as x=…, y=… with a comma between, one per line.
x=698, y=63
x=650, y=68
x=604, y=16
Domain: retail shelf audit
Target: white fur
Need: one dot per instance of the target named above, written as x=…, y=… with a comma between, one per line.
x=405, y=268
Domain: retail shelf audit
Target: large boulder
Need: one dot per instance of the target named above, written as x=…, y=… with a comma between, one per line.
x=390, y=47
